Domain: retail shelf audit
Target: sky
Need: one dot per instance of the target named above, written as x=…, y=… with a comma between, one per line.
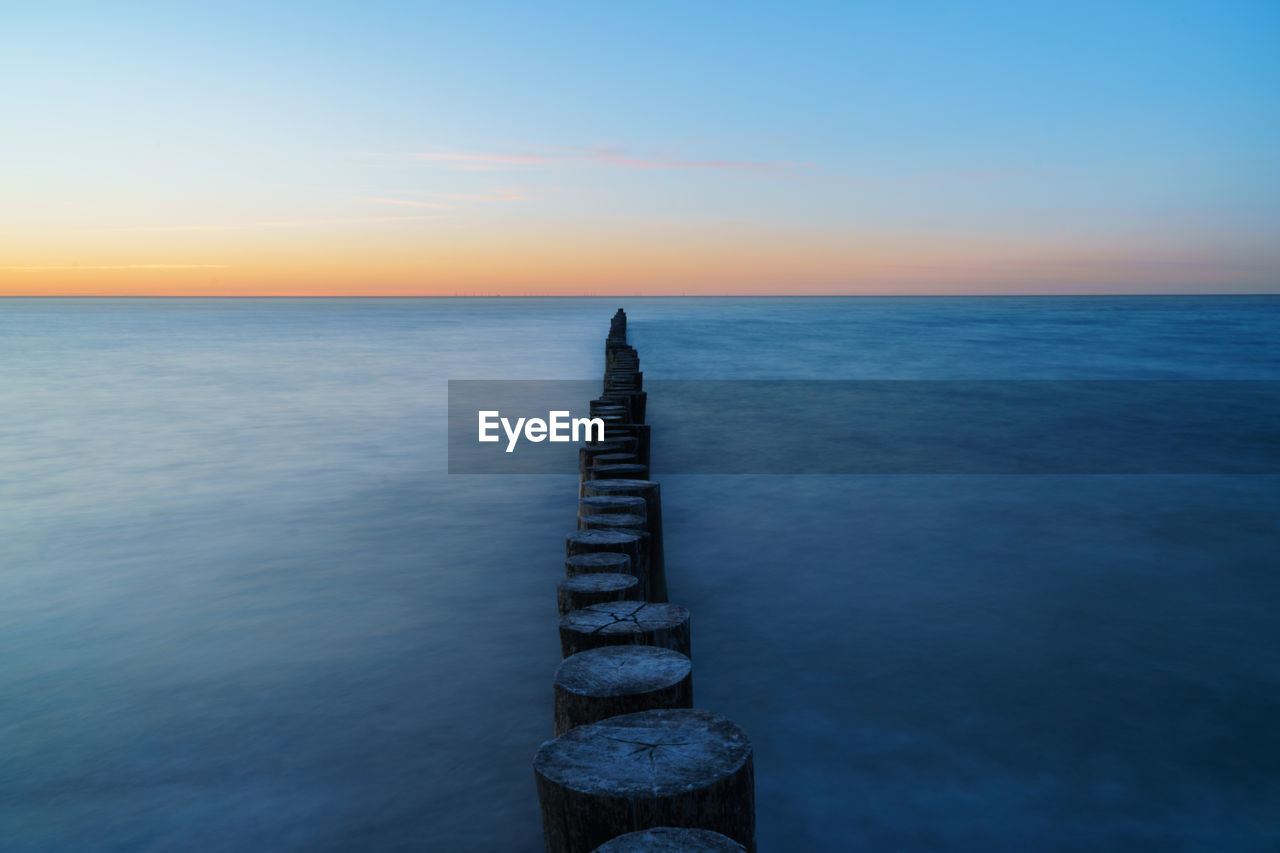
x=488, y=148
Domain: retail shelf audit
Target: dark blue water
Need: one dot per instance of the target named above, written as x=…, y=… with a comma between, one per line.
x=243, y=607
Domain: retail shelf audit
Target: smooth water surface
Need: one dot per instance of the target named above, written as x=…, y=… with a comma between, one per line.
x=243, y=607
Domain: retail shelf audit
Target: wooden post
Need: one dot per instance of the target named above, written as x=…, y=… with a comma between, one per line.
x=606, y=407
x=612, y=505
x=590, y=453
x=625, y=623
x=626, y=442
x=639, y=404
x=596, y=562
x=581, y=591
x=633, y=545
x=634, y=767
x=670, y=767
x=612, y=457
x=640, y=432
x=620, y=400
x=627, y=470
x=671, y=839
x=651, y=491
x=613, y=521
x=613, y=680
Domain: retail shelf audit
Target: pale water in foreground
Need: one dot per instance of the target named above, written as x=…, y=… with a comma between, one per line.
x=242, y=607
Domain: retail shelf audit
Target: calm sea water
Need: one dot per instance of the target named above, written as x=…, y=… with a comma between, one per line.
x=242, y=607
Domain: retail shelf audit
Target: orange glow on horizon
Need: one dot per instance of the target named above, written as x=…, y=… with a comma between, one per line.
x=657, y=260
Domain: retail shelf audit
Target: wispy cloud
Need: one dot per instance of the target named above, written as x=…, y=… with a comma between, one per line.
x=504, y=194
x=489, y=159
x=616, y=157
x=410, y=203
x=470, y=161
x=938, y=178
x=592, y=155
x=413, y=198
x=63, y=267
x=280, y=223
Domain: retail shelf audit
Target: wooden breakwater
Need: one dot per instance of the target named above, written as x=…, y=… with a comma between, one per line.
x=634, y=766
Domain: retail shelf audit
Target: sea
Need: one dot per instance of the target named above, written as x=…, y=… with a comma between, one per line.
x=244, y=605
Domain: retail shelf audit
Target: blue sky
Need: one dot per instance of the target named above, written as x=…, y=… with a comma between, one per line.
x=814, y=147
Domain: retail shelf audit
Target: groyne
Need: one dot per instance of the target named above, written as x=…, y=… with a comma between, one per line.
x=633, y=764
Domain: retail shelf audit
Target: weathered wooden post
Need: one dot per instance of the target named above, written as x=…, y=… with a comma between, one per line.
x=634, y=767
x=613, y=457
x=589, y=455
x=625, y=623
x=618, y=442
x=625, y=382
x=651, y=491
x=613, y=680
x=588, y=452
x=671, y=839
x=613, y=521
x=617, y=471
x=634, y=545
x=580, y=591
x=616, y=399
x=612, y=505
x=606, y=407
x=596, y=562
x=638, y=431
x=668, y=767
x=635, y=400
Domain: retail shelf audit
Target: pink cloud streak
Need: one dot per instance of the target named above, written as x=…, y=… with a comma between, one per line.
x=599, y=155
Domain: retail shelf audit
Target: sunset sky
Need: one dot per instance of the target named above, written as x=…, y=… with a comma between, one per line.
x=607, y=148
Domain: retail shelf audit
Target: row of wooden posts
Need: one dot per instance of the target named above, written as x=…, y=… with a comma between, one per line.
x=633, y=766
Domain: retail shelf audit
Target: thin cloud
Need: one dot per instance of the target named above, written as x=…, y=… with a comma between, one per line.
x=940, y=178
x=282, y=223
x=44, y=267
x=597, y=155
x=615, y=157
x=410, y=203
x=501, y=194
x=472, y=161
x=512, y=194
x=504, y=159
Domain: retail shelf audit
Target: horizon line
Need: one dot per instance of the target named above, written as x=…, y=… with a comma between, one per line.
x=968, y=295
